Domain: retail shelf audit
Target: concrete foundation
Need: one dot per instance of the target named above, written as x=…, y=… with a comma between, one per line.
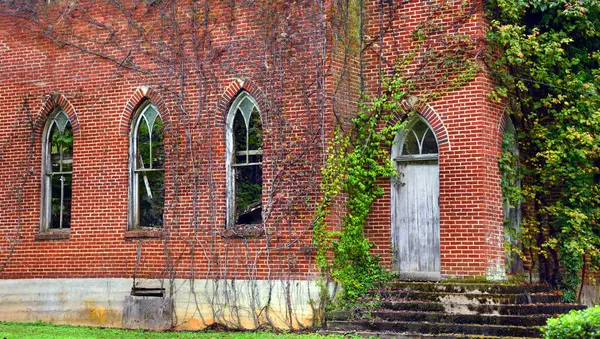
x=196, y=303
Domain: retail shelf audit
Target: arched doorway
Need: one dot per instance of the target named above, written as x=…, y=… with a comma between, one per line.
x=415, y=214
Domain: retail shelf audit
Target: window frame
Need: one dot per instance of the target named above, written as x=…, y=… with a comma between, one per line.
x=133, y=220
x=46, y=180
x=230, y=193
x=398, y=149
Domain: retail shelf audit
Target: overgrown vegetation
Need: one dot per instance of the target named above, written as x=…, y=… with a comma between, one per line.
x=355, y=162
x=440, y=60
x=360, y=157
x=583, y=324
x=546, y=58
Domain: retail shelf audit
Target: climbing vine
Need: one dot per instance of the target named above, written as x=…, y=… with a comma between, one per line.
x=440, y=60
x=355, y=161
x=546, y=57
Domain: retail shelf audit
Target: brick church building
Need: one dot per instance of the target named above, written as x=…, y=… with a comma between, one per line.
x=171, y=152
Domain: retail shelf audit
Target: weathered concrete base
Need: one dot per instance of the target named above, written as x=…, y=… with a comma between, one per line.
x=148, y=313
x=196, y=303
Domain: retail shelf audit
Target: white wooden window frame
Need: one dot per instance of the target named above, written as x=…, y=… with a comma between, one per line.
x=229, y=156
x=46, y=182
x=134, y=199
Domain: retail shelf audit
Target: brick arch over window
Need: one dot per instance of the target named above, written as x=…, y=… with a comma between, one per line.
x=140, y=95
x=53, y=101
x=431, y=116
x=232, y=91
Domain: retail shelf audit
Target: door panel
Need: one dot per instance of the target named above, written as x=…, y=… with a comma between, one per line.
x=416, y=221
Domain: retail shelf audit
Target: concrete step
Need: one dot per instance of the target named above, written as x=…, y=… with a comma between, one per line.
x=476, y=288
x=505, y=309
x=436, y=317
x=406, y=335
x=434, y=328
x=471, y=298
x=452, y=310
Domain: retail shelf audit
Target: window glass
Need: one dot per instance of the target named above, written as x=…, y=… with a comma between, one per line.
x=411, y=144
x=419, y=129
x=248, y=194
x=239, y=137
x=246, y=163
x=151, y=195
x=143, y=145
x=148, y=169
x=158, y=145
x=255, y=131
x=429, y=143
x=58, y=173
x=420, y=140
x=60, y=209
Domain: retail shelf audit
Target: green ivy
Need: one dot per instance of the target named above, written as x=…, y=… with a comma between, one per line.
x=546, y=58
x=355, y=162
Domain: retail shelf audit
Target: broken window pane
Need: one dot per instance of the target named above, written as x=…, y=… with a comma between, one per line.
x=248, y=194
x=151, y=195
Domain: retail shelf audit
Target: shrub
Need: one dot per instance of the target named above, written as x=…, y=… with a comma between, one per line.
x=575, y=324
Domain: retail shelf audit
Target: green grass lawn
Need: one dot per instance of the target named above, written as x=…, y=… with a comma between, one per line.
x=11, y=330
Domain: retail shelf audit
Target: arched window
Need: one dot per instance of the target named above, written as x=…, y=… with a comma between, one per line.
x=57, y=170
x=419, y=142
x=244, y=162
x=147, y=171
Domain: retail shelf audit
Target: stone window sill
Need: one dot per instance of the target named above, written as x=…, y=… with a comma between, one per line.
x=243, y=232
x=52, y=235
x=143, y=234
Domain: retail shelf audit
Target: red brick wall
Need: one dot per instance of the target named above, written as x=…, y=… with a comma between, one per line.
x=467, y=123
x=276, y=56
x=296, y=65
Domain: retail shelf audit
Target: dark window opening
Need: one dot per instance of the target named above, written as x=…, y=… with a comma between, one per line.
x=247, y=164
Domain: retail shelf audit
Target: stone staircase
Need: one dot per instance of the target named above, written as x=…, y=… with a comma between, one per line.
x=451, y=310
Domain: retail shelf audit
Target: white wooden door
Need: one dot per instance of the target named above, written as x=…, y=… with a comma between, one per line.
x=415, y=215
x=416, y=221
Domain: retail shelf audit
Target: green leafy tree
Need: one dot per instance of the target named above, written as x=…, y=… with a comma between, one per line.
x=545, y=54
